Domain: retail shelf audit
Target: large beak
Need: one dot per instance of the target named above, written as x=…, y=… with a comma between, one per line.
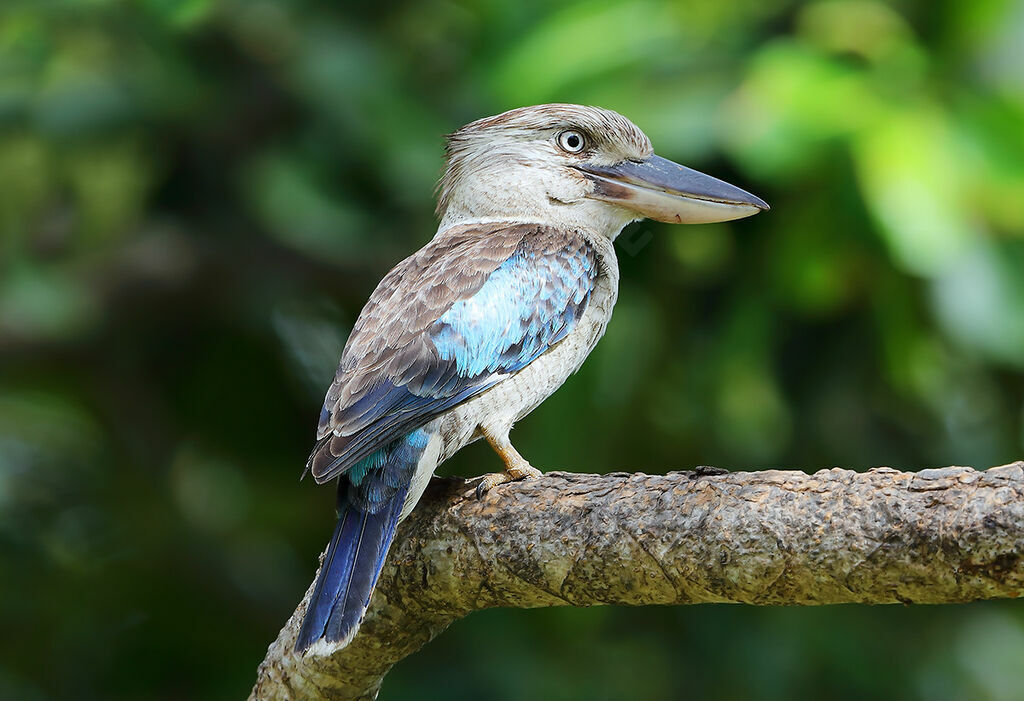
x=659, y=189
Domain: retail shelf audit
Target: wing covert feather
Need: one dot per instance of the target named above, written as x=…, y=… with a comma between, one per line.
x=468, y=310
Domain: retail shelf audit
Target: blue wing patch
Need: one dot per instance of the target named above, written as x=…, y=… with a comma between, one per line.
x=526, y=304
x=525, y=307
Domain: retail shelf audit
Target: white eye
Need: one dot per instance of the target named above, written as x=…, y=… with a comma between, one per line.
x=571, y=141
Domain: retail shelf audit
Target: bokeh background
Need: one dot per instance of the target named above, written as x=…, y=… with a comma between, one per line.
x=197, y=196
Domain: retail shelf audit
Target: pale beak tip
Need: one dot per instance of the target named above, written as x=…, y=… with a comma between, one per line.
x=751, y=203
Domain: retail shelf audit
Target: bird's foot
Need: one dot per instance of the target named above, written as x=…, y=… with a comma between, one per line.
x=512, y=474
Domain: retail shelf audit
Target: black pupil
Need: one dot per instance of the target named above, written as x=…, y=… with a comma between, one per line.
x=572, y=141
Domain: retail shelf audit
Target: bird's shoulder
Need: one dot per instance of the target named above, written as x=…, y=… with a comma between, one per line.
x=457, y=263
x=418, y=289
x=452, y=268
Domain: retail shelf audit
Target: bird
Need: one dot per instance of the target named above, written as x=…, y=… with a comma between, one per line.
x=472, y=332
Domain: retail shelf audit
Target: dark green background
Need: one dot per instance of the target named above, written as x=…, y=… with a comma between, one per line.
x=197, y=197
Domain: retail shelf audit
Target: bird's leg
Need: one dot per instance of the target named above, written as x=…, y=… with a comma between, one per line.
x=516, y=466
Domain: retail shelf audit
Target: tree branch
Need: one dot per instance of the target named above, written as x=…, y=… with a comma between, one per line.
x=772, y=537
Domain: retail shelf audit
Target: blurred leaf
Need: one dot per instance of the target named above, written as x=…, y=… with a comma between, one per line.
x=979, y=299
x=38, y=302
x=872, y=29
x=298, y=212
x=182, y=13
x=914, y=183
x=793, y=101
x=579, y=41
x=110, y=182
x=26, y=170
x=210, y=491
x=987, y=649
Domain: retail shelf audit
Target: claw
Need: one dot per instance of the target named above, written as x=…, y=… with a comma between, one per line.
x=490, y=481
x=521, y=472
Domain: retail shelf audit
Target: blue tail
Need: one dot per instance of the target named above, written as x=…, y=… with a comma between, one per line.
x=370, y=500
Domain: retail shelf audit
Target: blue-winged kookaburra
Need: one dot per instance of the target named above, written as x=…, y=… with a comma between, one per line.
x=473, y=331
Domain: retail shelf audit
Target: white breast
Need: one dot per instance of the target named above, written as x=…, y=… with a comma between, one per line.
x=512, y=399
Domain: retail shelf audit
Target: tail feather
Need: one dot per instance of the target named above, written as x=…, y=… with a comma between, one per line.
x=351, y=567
x=368, y=514
x=373, y=542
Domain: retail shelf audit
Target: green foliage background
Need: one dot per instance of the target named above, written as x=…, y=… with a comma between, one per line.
x=196, y=198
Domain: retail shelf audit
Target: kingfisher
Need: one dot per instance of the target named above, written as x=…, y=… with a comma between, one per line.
x=477, y=328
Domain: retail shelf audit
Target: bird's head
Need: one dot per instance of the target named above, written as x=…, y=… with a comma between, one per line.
x=570, y=165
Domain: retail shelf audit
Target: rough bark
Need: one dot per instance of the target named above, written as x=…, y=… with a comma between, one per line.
x=773, y=537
